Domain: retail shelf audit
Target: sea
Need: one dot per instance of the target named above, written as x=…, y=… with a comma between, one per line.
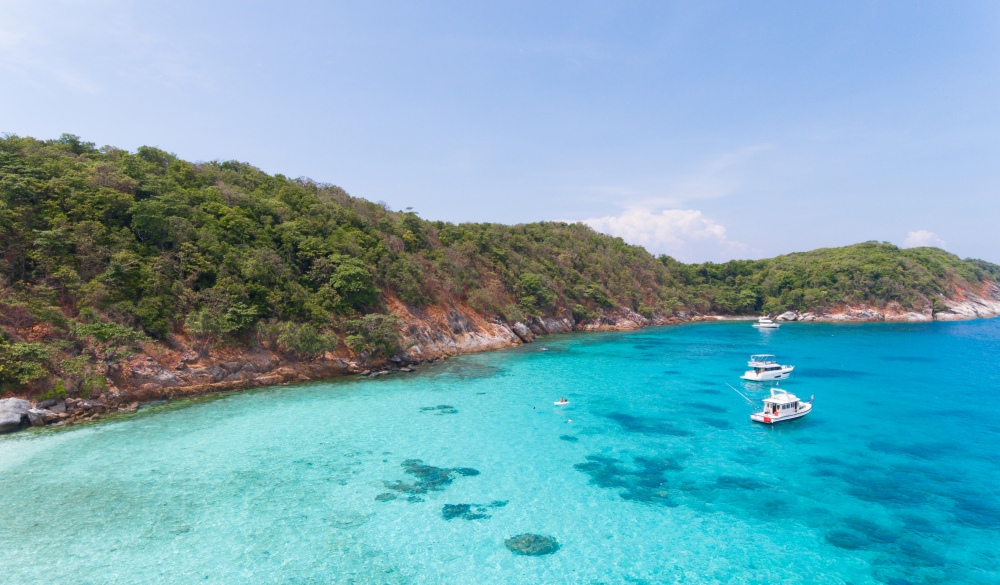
x=653, y=473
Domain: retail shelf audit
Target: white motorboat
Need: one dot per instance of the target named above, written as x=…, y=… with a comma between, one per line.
x=766, y=369
x=781, y=406
x=765, y=323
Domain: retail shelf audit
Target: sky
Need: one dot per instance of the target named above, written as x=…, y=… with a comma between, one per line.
x=705, y=130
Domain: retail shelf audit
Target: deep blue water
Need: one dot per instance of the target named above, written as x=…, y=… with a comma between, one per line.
x=659, y=478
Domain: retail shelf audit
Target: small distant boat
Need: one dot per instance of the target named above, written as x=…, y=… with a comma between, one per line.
x=765, y=323
x=766, y=369
x=781, y=406
x=561, y=402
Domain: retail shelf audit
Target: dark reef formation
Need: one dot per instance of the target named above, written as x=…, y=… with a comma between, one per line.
x=440, y=409
x=644, y=484
x=534, y=545
x=648, y=425
x=429, y=478
x=469, y=511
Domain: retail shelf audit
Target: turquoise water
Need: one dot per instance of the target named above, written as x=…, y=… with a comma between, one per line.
x=659, y=478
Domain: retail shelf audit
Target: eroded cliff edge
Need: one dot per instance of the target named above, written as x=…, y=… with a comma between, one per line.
x=163, y=372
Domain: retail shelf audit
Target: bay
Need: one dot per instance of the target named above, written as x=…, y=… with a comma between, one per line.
x=652, y=474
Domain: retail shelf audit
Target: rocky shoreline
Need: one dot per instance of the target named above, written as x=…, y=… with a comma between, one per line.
x=165, y=373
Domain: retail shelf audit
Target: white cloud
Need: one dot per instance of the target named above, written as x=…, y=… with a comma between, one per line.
x=685, y=234
x=922, y=238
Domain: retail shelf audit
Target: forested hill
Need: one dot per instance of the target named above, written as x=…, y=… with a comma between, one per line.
x=101, y=249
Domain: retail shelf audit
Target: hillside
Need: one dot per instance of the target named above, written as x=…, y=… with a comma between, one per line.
x=872, y=274
x=107, y=256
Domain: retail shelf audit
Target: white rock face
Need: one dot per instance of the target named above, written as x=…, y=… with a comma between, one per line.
x=973, y=306
x=12, y=412
x=787, y=316
x=911, y=316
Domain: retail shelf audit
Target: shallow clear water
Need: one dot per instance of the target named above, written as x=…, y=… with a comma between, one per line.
x=659, y=478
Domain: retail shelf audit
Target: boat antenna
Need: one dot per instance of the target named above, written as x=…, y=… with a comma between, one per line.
x=740, y=393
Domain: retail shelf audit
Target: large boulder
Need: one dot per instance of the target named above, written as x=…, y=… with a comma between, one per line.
x=522, y=331
x=787, y=316
x=39, y=416
x=537, y=326
x=13, y=413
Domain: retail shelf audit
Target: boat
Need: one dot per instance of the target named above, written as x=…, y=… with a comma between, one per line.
x=561, y=402
x=765, y=323
x=782, y=406
x=766, y=369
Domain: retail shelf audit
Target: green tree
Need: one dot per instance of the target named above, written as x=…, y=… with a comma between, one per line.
x=111, y=340
x=375, y=335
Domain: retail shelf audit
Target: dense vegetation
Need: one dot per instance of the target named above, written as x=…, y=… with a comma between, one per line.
x=872, y=273
x=102, y=250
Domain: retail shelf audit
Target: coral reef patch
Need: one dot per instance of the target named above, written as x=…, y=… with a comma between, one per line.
x=429, y=478
x=464, y=511
x=534, y=545
x=716, y=422
x=440, y=409
x=706, y=406
x=740, y=483
x=645, y=483
x=647, y=425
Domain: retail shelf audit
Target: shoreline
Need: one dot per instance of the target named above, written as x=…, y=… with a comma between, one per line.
x=431, y=335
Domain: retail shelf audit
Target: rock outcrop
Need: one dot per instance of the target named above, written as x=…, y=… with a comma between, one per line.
x=972, y=305
x=619, y=320
x=436, y=332
x=429, y=334
x=523, y=333
x=13, y=414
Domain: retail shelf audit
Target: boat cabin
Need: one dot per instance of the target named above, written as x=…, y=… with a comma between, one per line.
x=770, y=368
x=781, y=403
x=763, y=362
x=781, y=406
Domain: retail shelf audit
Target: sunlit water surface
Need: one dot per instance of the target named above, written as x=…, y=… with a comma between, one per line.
x=659, y=478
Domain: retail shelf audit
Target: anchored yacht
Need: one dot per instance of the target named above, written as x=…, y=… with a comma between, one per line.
x=765, y=323
x=782, y=406
x=764, y=368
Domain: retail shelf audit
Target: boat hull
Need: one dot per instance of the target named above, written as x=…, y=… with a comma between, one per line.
x=775, y=376
x=771, y=326
x=770, y=420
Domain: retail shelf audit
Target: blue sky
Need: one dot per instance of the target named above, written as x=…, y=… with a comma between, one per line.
x=707, y=130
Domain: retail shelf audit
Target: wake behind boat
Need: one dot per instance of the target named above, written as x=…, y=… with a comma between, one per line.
x=765, y=323
x=766, y=369
x=781, y=406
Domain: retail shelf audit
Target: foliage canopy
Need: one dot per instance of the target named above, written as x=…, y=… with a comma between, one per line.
x=102, y=249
